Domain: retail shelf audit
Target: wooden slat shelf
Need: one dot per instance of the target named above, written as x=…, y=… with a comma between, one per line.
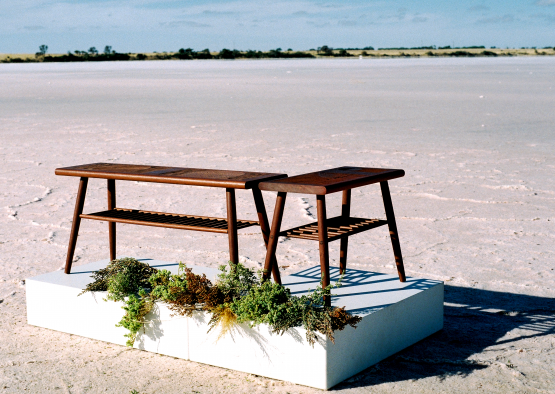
x=338, y=227
x=168, y=220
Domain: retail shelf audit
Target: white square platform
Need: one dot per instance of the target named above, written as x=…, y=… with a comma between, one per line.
x=394, y=315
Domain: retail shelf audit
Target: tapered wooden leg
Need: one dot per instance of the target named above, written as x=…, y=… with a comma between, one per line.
x=390, y=215
x=265, y=228
x=345, y=213
x=112, y=225
x=273, y=239
x=80, y=201
x=323, y=240
x=232, y=226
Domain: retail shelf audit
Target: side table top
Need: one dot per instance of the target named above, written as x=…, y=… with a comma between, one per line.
x=332, y=180
x=175, y=175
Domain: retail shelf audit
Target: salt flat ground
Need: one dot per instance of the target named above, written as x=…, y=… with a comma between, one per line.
x=476, y=208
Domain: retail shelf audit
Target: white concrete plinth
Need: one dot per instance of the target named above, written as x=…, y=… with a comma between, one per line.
x=394, y=315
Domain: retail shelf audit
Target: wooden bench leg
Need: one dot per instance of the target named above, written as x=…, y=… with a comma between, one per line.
x=323, y=241
x=112, y=225
x=79, y=202
x=390, y=215
x=346, y=213
x=274, y=236
x=265, y=228
x=232, y=225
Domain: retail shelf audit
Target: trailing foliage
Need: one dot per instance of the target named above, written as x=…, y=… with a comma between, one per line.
x=136, y=308
x=237, y=297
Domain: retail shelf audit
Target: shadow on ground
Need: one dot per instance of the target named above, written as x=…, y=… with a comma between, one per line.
x=474, y=320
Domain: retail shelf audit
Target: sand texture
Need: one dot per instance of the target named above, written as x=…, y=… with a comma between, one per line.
x=476, y=208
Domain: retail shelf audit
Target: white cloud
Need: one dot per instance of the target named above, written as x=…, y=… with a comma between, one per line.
x=508, y=18
x=347, y=23
x=478, y=8
x=419, y=19
x=34, y=27
x=545, y=3
x=184, y=23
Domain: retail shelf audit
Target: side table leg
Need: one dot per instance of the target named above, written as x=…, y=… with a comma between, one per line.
x=274, y=236
x=345, y=213
x=79, y=202
x=323, y=240
x=390, y=215
x=232, y=225
x=265, y=228
x=112, y=225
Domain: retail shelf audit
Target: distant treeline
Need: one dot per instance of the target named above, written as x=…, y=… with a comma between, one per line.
x=93, y=55
x=189, y=54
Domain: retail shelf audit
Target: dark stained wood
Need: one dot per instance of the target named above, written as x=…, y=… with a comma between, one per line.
x=112, y=225
x=332, y=180
x=323, y=241
x=274, y=236
x=175, y=175
x=79, y=202
x=338, y=227
x=265, y=228
x=230, y=180
x=167, y=220
x=393, y=230
x=345, y=214
x=232, y=226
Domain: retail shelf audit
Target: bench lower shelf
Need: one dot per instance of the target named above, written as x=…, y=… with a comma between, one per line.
x=168, y=220
x=338, y=227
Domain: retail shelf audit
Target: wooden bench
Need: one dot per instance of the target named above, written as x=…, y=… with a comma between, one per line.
x=230, y=180
x=340, y=227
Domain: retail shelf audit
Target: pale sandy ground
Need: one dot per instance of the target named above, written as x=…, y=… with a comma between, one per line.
x=476, y=208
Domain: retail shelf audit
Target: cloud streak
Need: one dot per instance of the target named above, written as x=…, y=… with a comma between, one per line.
x=184, y=23
x=478, y=8
x=508, y=18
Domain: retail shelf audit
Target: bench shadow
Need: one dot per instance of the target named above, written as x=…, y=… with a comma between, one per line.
x=474, y=320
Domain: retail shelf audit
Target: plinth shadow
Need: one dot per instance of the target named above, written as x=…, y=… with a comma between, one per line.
x=474, y=320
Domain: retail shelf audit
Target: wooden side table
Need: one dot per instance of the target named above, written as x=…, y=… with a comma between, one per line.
x=230, y=180
x=340, y=227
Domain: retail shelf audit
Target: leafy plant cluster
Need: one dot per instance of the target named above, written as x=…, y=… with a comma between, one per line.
x=238, y=296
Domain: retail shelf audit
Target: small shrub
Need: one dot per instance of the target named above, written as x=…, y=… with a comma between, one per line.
x=121, y=278
x=226, y=54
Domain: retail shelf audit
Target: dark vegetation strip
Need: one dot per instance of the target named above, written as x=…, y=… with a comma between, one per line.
x=92, y=55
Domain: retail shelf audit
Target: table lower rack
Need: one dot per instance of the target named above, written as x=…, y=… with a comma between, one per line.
x=338, y=227
x=168, y=220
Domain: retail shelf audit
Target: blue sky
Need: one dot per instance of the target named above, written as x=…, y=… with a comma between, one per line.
x=167, y=25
